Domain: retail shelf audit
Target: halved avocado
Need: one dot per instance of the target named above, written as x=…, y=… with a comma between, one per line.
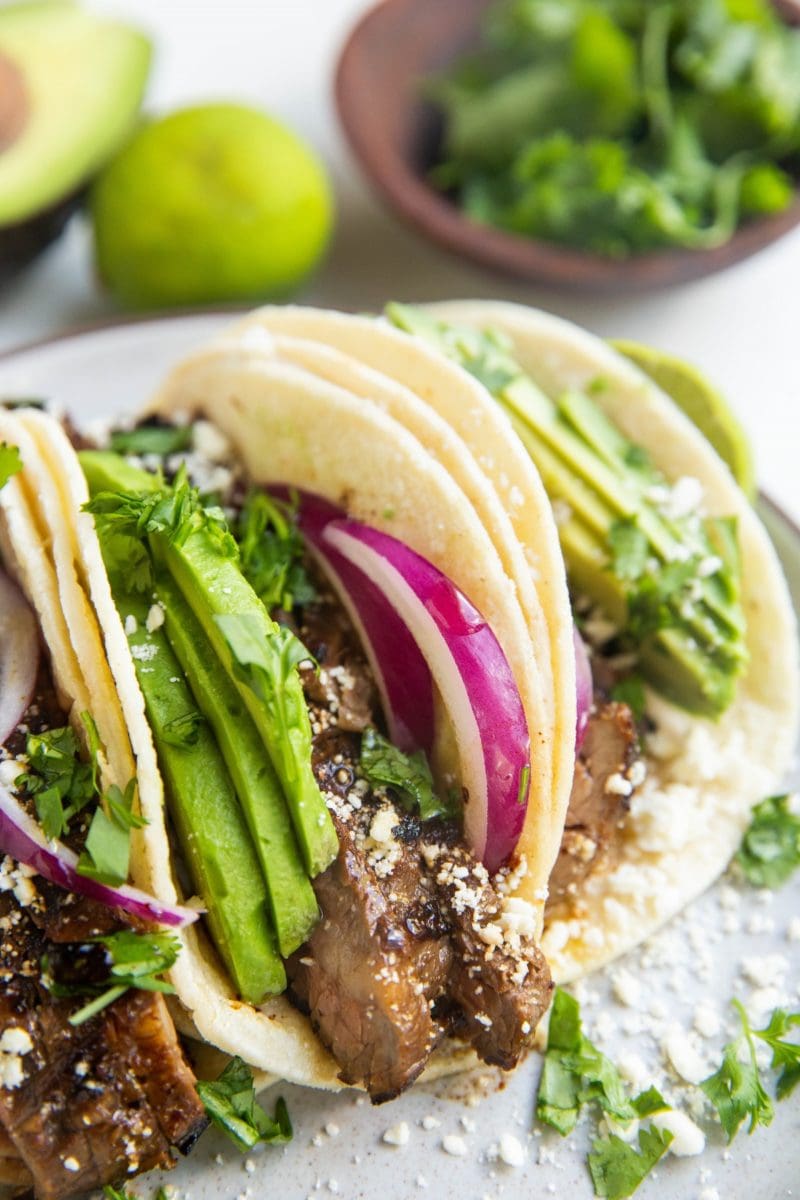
x=71, y=84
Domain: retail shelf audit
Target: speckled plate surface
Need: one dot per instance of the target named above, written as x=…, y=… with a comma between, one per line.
x=733, y=941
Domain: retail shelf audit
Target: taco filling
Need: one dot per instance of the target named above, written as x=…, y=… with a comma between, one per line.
x=95, y=1085
x=366, y=901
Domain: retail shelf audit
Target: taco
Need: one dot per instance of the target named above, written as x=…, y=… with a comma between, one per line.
x=94, y=1082
x=673, y=584
x=339, y=714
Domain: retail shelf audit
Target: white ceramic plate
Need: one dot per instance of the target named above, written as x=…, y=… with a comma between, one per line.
x=734, y=941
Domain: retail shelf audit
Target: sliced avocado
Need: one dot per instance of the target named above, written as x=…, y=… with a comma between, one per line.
x=108, y=472
x=292, y=901
x=703, y=405
x=206, y=815
x=259, y=658
x=686, y=623
x=256, y=653
x=71, y=84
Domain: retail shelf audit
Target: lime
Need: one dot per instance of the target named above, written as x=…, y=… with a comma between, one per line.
x=210, y=204
x=703, y=405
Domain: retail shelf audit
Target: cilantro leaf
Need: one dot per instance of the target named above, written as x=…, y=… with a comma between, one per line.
x=161, y=440
x=106, y=853
x=735, y=1089
x=629, y=549
x=630, y=691
x=10, y=463
x=408, y=775
x=131, y=960
x=617, y=1168
x=121, y=1193
x=770, y=849
x=785, y=1055
x=576, y=1073
x=230, y=1102
x=272, y=548
x=61, y=784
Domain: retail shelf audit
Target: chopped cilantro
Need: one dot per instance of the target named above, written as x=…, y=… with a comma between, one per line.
x=174, y=512
x=106, y=853
x=10, y=462
x=121, y=1193
x=770, y=849
x=575, y=1073
x=408, y=775
x=617, y=1168
x=60, y=782
x=630, y=691
x=629, y=549
x=736, y=1090
x=63, y=785
x=785, y=1055
x=133, y=960
x=230, y=1102
x=271, y=548
x=161, y=440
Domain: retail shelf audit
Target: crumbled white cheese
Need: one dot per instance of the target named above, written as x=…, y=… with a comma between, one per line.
x=430, y=1122
x=683, y=1057
x=11, y=1071
x=10, y=771
x=71, y=1163
x=510, y=1150
x=15, y=1040
x=454, y=1145
x=332, y=1129
x=397, y=1135
x=627, y=988
x=618, y=785
x=687, y=1139
x=210, y=442
x=155, y=618
x=144, y=653
x=131, y=625
x=706, y=1020
x=764, y=968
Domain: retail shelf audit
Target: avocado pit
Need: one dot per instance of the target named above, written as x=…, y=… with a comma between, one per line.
x=14, y=102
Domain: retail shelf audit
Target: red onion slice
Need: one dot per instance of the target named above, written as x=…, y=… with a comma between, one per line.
x=19, y=656
x=584, y=687
x=23, y=840
x=400, y=671
x=471, y=672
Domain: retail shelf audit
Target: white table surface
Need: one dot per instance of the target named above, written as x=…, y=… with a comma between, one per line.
x=742, y=326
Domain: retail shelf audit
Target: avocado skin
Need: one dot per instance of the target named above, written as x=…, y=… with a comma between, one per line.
x=292, y=900
x=205, y=812
x=23, y=242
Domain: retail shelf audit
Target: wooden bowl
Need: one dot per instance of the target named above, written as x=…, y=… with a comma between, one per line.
x=395, y=136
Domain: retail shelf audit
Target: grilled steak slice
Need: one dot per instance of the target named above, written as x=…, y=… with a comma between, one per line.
x=499, y=979
x=90, y=1105
x=606, y=772
x=367, y=980
x=13, y=1172
x=380, y=954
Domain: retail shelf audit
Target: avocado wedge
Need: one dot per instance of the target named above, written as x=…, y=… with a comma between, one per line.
x=71, y=84
x=704, y=406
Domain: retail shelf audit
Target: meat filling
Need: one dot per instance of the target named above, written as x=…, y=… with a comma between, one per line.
x=86, y=1106
x=415, y=941
x=607, y=770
